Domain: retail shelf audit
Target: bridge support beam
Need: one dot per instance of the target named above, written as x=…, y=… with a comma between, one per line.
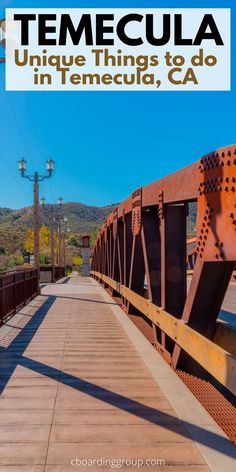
x=151, y=241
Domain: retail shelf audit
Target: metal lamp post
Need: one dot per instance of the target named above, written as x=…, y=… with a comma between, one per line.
x=60, y=200
x=61, y=237
x=58, y=220
x=36, y=178
x=54, y=219
x=52, y=237
x=65, y=233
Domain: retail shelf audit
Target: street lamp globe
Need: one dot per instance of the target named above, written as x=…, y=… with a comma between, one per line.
x=50, y=166
x=22, y=166
x=42, y=201
x=60, y=200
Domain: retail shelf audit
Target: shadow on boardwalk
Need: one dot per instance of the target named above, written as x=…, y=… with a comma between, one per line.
x=13, y=356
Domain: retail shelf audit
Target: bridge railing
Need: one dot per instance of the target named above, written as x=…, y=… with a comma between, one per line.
x=51, y=273
x=143, y=243
x=16, y=289
x=191, y=253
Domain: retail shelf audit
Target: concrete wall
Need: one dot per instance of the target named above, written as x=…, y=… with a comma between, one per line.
x=45, y=276
x=86, y=262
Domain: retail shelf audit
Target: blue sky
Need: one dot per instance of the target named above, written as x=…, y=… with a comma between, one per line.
x=106, y=144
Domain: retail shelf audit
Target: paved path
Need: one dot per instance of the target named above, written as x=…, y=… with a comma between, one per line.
x=78, y=380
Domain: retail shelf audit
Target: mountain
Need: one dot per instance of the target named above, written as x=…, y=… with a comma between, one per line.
x=192, y=219
x=82, y=219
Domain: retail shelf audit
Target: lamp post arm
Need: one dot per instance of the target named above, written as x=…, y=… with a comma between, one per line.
x=52, y=245
x=43, y=177
x=28, y=177
x=36, y=178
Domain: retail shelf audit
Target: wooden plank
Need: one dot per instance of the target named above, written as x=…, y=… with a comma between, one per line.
x=79, y=377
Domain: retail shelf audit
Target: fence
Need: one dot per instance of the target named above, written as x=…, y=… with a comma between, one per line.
x=51, y=274
x=16, y=289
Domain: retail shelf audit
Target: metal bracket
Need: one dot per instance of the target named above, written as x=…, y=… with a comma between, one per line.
x=217, y=206
x=115, y=222
x=161, y=206
x=136, y=211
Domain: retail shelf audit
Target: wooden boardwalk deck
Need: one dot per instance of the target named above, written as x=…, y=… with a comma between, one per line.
x=74, y=385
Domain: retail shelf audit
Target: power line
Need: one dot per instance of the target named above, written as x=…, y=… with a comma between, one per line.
x=13, y=176
x=22, y=136
x=17, y=122
x=36, y=134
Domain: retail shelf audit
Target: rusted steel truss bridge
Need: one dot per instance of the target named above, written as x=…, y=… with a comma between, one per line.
x=140, y=256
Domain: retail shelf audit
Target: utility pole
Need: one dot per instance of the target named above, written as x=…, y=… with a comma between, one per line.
x=60, y=258
x=59, y=243
x=64, y=242
x=36, y=178
x=64, y=248
x=59, y=220
x=36, y=219
x=52, y=244
x=60, y=255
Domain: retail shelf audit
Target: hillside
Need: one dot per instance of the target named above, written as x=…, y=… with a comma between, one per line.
x=82, y=219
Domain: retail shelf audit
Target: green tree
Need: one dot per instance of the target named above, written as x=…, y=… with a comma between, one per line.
x=73, y=241
x=15, y=260
x=77, y=263
x=94, y=237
